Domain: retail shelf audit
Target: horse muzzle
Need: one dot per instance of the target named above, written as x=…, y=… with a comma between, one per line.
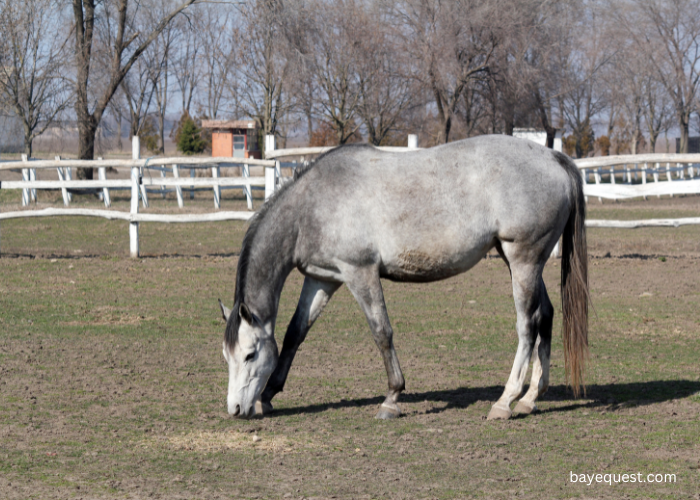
x=253, y=411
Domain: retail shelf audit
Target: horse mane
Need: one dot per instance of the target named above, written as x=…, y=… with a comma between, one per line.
x=233, y=323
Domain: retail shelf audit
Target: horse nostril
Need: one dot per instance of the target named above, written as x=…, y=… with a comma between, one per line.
x=236, y=410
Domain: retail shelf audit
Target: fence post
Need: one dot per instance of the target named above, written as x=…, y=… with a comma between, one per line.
x=246, y=187
x=68, y=173
x=142, y=187
x=102, y=175
x=612, y=178
x=216, y=173
x=162, y=174
x=100, y=195
x=270, y=172
x=134, y=226
x=32, y=177
x=412, y=141
x=62, y=177
x=178, y=189
x=25, y=178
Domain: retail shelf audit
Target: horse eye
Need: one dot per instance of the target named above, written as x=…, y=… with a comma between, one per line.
x=250, y=357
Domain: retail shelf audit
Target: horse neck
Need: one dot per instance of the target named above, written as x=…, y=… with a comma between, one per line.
x=269, y=263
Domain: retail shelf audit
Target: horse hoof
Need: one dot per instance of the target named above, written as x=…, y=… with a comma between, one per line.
x=498, y=413
x=524, y=408
x=262, y=409
x=387, y=412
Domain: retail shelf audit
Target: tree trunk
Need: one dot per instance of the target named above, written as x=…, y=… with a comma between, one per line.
x=87, y=129
x=119, y=131
x=447, y=126
x=27, y=140
x=683, y=120
x=509, y=125
x=544, y=120
x=161, y=125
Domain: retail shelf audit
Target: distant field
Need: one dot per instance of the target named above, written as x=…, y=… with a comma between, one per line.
x=112, y=383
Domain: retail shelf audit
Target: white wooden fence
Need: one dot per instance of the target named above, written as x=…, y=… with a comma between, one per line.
x=640, y=176
x=612, y=177
x=140, y=186
x=634, y=176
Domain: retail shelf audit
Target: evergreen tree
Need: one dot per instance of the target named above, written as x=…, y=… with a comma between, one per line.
x=189, y=136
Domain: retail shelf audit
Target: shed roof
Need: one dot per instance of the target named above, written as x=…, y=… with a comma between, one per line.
x=228, y=124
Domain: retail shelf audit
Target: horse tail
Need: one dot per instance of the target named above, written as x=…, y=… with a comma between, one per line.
x=574, y=282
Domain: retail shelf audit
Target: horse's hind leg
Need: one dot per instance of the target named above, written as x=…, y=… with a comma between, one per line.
x=366, y=287
x=527, y=280
x=314, y=297
x=540, y=367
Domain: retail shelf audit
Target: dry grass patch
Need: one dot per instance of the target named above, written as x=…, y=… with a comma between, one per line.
x=108, y=315
x=212, y=441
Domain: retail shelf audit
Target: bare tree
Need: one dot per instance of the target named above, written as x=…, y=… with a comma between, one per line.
x=162, y=50
x=657, y=110
x=217, y=57
x=453, y=43
x=138, y=88
x=474, y=109
x=33, y=53
x=668, y=33
x=262, y=43
x=333, y=45
x=117, y=108
x=107, y=25
x=548, y=27
x=184, y=60
x=387, y=88
x=583, y=98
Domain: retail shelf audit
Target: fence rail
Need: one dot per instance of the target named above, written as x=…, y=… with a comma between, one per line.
x=127, y=216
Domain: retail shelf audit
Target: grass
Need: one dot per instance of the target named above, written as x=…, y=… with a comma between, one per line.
x=112, y=383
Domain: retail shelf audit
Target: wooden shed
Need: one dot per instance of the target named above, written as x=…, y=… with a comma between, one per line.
x=235, y=138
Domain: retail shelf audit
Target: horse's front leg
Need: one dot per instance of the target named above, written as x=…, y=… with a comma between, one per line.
x=365, y=285
x=315, y=295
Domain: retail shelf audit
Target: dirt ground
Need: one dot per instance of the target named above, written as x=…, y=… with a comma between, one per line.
x=112, y=383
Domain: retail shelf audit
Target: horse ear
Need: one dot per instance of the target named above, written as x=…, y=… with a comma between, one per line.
x=225, y=311
x=245, y=313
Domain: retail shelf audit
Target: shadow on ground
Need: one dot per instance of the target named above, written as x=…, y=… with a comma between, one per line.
x=614, y=396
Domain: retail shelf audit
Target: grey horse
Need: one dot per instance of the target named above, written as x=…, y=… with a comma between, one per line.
x=358, y=215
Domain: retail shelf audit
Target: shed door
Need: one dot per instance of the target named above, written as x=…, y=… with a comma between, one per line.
x=239, y=146
x=221, y=143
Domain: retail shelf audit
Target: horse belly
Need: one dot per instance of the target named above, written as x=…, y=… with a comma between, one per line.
x=420, y=265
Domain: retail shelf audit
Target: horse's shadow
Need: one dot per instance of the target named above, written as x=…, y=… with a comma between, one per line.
x=614, y=396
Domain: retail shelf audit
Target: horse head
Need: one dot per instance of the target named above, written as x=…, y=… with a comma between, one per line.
x=251, y=353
